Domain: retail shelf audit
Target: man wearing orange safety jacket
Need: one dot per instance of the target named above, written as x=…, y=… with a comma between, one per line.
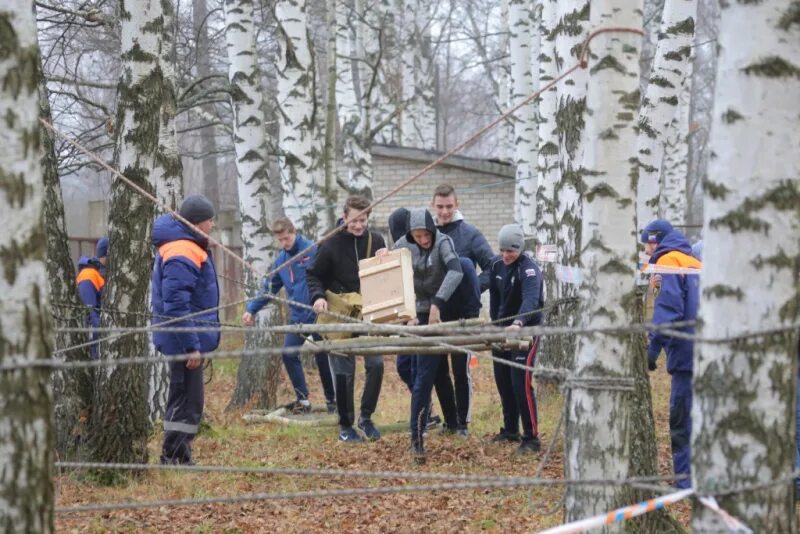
x=676, y=300
x=184, y=282
x=90, y=281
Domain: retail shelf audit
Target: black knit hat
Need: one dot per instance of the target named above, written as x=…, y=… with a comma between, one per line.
x=196, y=209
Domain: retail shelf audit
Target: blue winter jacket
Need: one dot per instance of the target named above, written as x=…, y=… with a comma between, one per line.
x=516, y=290
x=90, y=281
x=184, y=282
x=677, y=300
x=293, y=278
x=470, y=243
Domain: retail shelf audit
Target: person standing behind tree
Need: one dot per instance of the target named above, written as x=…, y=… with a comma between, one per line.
x=677, y=299
x=293, y=278
x=184, y=283
x=90, y=282
x=516, y=300
x=335, y=269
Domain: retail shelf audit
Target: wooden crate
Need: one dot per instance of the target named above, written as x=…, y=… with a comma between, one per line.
x=387, y=288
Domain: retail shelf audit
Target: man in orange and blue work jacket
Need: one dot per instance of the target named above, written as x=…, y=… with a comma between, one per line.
x=90, y=281
x=184, y=283
x=676, y=300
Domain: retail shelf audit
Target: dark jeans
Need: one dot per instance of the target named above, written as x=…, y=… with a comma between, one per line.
x=183, y=413
x=294, y=368
x=431, y=369
x=680, y=425
x=510, y=383
x=343, y=369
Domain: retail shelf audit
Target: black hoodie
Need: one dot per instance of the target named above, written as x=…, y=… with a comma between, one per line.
x=335, y=267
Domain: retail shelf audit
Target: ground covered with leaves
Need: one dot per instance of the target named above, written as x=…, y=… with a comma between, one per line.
x=231, y=441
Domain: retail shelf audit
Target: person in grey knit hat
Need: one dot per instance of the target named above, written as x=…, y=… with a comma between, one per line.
x=196, y=209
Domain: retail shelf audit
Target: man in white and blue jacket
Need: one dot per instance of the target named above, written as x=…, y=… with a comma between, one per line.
x=293, y=278
x=515, y=300
x=184, y=283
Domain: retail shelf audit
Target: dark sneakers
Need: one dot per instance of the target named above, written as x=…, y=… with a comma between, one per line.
x=349, y=435
x=331, y=406
x=417, y=453
x=369, y=430
x=462, y=432
x=529, y=446
x=299, y=408
x=433, y=422
x=505, y=436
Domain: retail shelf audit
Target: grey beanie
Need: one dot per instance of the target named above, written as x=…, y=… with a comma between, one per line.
x=511, y=237
x=196, y=209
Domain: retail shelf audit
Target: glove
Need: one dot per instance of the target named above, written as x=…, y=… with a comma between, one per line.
x=651, y=364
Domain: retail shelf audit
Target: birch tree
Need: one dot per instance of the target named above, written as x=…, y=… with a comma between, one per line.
x=675, y=167
x=257, y=376
x=352, y=104
x=418, y=125
x=744, y=390
x=208, y=144
x=663, y=116
x=300, y=158
x=120, y=424
x=524, y=46
x=72, y=388
x=26, y=433
x=599, y=415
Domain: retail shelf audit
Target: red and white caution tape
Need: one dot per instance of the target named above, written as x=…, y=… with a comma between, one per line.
x=652, y=268
x=621, y=514
x=736, y=526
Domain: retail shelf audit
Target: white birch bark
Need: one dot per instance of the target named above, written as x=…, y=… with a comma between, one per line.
x=570, y=33
x=660, y=113
x=257, y=375
x=744, y=391
x=300, y=144
x=524, y=46
x=382, y=51
x=356, y=174
x=599, y=419
x=547, y=150
x=418, y=127
x=124, y=389
x=26, y=404
x=505, y=131
x=675, y=168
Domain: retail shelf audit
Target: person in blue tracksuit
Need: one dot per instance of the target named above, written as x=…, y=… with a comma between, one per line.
x=90, y=281
x=515, y=290
x=676, y=300
x=293, y=278
x=184, y=282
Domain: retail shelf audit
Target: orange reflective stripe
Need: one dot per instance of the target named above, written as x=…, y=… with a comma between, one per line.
x=679, y=259
x=183, y=247
x=92, y=275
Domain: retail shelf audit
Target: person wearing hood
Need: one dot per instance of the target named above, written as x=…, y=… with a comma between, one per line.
x=90, y=282
x=335, y=269
x=184, y=283
x=293, y=278
x=465, y=303
x=437, y=274
x=515, y=300
x=676, y=300
x=468, y=240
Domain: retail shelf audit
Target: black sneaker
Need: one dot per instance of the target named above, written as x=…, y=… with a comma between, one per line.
x=462, y=432
x=331, y=406
x=369, y=430
x=529, y=446
x=505, y=436
x=447, y=431
x=418, y=453
x=349, y=435
x=433, y=422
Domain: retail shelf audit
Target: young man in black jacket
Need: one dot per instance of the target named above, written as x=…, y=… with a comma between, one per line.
x=335, y=269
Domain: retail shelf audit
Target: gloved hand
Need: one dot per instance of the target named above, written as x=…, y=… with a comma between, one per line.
x=651, y=364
